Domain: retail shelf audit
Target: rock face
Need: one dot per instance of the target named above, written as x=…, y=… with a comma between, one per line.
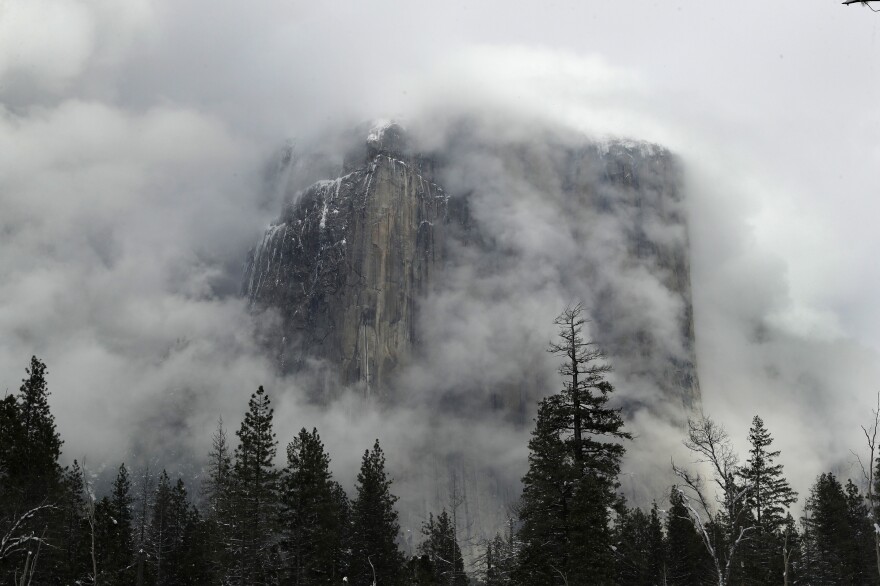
x=350, y=260
x=353, y=260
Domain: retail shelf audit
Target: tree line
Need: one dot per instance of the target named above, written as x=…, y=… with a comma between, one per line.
x=729, y=524
x=256, y=524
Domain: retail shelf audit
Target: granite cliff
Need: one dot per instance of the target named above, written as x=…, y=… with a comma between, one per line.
x=350, y=260
x=354, y=259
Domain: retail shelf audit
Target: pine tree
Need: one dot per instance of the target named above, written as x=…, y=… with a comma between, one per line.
x=688, y=562
x=218, y=491
x=859, y=551
x=493, y=576
x=769, y=495
x=11, y=512
x=769, y=492
x=545, y=511
x=253, y=545
x=115, y=538
x=421, y=571
x=39, y=447
x=194, y=561
x=574, y=462
x=838, y=547
x=342, y=508
x=792, y=552
x=658, y=549
x=29, y=450
x=217, y=486
x=177, y=539
x=161, y=533
x=590, y=553
x=640, y=551
x=142, y=522
x=68, y=559
x=501, y=557
x=10, y=432
x=581, y=407
x=38, y=499
x=375, y=556
x=312, y=530
x=440, y=547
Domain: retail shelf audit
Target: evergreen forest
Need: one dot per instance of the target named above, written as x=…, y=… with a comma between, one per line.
x=727, y=520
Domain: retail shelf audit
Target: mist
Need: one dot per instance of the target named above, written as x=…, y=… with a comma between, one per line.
x=134, y=148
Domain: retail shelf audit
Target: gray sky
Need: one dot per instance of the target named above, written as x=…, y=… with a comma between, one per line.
x=132, y=138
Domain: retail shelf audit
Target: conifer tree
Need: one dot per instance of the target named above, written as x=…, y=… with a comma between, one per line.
x=142, y=522
x=68, y=557
x=114, y=527
x=38, y=499
x=375, y=556
x=581, y=408
x=574, y=462
x=838, y=548
x=792, y=552
x=40, y=444
x=590, y=548
x=177, y=538
x=501, y=557
x=161, y=538
x=640, y=551
x=768, y=497
x=9, y=433
x=688, y=562
x=658, y=556
x=440, y=547
x=253, y=545
x=194, y=563
x=311, y=519
x=421, y=571
x=545, y=511
x=30, y=476
x=342, y=508
x=218, y=492
x=859, y=551
x=769, y=493
x=217, y=487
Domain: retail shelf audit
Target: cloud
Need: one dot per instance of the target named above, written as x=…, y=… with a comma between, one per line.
x=133, y=146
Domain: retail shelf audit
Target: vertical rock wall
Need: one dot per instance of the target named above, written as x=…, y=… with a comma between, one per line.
x=352, y=259
x=349, y=261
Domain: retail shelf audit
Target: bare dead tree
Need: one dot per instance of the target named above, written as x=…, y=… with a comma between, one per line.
x=16, y=538
x=710, y=442
x=30, y=564
x=869, y=474
x=89, y=514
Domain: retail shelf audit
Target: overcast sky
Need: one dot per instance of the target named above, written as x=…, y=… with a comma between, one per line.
x=133, y=135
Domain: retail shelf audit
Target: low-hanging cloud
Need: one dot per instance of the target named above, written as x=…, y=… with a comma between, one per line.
x=133, y=147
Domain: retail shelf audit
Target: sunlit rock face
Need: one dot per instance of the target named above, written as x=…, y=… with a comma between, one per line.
x=409, y=252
